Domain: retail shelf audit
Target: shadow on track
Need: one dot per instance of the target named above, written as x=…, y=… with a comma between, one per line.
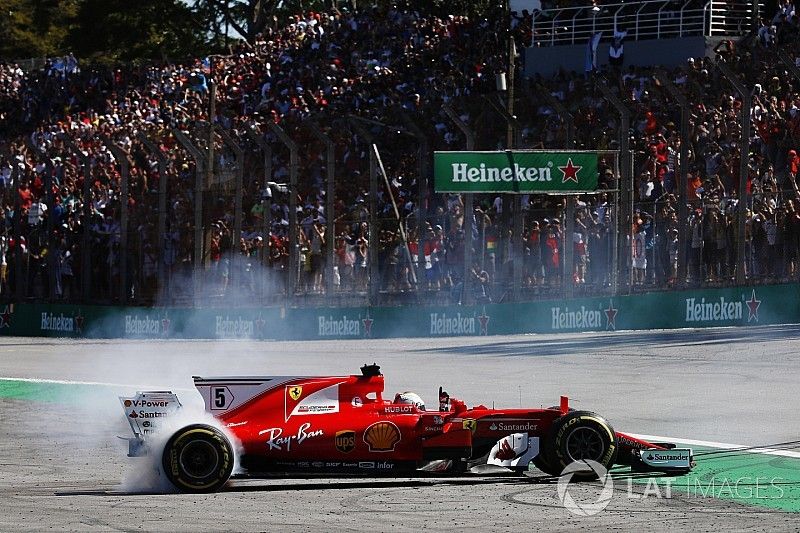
x=330, y=484
x=595, y=342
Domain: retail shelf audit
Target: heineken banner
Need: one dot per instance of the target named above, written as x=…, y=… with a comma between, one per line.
x=522, y=171
x=694, y=308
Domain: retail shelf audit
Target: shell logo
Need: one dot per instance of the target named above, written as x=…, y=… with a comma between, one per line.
x=382, y=436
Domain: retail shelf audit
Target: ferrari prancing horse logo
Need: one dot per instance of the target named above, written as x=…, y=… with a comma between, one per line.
x=295, y=392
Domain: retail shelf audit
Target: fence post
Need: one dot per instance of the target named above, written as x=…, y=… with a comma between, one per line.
x=19, y=292
x=124, y=166
x=86, y=264
x=517, y=209
x=48, y=202
x=683, y=206
x=212, y=112
x=374, y=283
x=330, y=191
x=423, y=157
x=469, y=208
x=625, y=218
x=563, y=113
x=744, y=167
x=293, y=228
x=569, y=224
x=236, y=255
x=788, y=63
x=266, y=197
x=161, y=227
x=197, y=155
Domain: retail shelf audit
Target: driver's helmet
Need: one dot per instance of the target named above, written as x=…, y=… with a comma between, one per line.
x=410, y=398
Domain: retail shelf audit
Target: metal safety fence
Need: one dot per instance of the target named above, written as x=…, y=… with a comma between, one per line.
x=340, y=209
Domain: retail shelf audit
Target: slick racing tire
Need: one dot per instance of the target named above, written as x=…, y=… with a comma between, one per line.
x=198, y=458
x=577, y=436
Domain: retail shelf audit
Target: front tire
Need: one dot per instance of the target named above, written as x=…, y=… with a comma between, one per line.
x=578, y=436
x=198, y=458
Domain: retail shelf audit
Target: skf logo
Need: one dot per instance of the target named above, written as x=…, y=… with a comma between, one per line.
x=345, y=441
x=295, y=392
x=470, y=424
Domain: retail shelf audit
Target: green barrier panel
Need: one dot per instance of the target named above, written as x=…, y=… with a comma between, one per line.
x=741, y=306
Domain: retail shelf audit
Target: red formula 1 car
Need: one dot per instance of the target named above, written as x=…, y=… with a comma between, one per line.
x=342, y=424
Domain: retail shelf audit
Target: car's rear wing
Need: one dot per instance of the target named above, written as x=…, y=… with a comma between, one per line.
x=145, y=412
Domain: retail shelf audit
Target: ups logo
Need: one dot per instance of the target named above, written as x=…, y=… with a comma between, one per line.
x=345, y=441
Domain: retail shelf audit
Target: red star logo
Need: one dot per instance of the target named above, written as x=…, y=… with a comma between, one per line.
x=367, y=325
x=79, y=322
x=5, y=317
x=570, y=172
x=752, y=307
x=611, y=316
x=483, y=318
x=259, y=323
x=165, y=322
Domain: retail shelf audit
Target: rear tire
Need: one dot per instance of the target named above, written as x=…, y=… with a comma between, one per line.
x=577, y=436
x=198, y=458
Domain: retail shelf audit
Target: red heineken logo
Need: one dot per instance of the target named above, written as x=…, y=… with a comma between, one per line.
x=5, y=317
x=483, y=318
x=569, y=172
x=611, y=316
x=79, y=322
x=367, y=322
x=752, y=307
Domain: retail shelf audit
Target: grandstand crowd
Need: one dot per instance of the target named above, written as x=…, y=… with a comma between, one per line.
x=56, y=122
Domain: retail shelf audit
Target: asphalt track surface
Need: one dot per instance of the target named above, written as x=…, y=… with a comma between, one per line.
x=61, y=466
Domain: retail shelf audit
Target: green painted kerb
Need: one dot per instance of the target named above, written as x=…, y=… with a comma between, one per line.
x=515, y=171
x=757, y=479
x=42, y=391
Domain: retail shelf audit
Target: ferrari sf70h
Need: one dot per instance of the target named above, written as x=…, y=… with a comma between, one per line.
x=343, y=424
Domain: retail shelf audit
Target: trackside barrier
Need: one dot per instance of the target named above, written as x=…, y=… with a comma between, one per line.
x=742, y=306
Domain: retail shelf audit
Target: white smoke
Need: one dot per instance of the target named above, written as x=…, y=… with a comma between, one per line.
x=146, y=474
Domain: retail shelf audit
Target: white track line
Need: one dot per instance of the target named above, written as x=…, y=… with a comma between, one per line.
x=92, y=383
x=721, y=445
